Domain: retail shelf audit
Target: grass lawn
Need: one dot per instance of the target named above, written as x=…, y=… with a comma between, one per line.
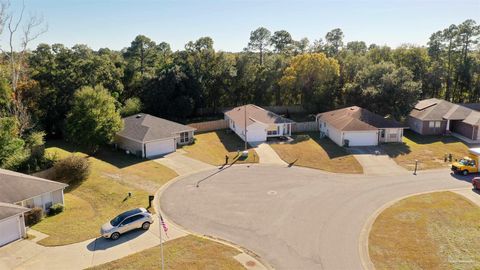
x=428, y=150
x=189, y=252
x=431, y=231
x=211, y=148
x=103, y=195
x=313, y=152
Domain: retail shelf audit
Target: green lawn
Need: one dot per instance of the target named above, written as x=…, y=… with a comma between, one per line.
x=431, y=231
x=211, y=148
x=308, y=150
x=185, y=253
x=103, y=195
x=428, y=150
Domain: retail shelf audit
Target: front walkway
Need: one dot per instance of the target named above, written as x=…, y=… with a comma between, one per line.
x=376, y=163
x=267, y=155
x=182, y=164
x=26, y=254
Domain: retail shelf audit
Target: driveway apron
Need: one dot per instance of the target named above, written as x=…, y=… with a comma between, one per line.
x=183, y=164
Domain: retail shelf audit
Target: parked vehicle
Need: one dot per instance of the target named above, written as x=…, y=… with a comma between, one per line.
x=467, y=164
x=476, y=183
x=127, y=221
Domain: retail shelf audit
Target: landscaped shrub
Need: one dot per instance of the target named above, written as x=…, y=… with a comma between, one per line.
x=33, y=216
x=55, y=209
x=71, y=170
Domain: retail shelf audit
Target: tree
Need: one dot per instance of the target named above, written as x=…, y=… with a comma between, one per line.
x=301, y=46
x=10, y=142
x=357, y=47
x=334, y=42
x=260, y=40
x=311, y=80
x=93, y=119
x=132, y=106
x=282, y=41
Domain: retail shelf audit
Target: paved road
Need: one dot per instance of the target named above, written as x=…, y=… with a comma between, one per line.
x=294, y=218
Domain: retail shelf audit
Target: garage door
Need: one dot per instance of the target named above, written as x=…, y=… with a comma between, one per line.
x=159, y=148
x=10, y=230
x=361, y=138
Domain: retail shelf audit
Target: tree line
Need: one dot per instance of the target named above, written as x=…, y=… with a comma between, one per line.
x=52, y=88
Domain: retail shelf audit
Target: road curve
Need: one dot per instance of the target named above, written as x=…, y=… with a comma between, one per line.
x=294, y=218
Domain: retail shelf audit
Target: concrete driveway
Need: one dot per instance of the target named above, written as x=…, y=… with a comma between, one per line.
x=267, y=155
x=183, y=164
x=294, y=218
x=376, y=163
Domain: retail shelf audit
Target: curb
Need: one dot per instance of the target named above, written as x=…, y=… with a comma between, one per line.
x=365, y=232
x=158, y=209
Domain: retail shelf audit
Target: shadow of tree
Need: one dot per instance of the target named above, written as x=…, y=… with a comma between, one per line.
x=395, y=149
x=428, y=139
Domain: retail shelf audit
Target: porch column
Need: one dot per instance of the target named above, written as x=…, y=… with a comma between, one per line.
x=448, y=125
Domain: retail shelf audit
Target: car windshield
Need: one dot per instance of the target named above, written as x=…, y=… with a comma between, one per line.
x=466, y=162
x=116, y=221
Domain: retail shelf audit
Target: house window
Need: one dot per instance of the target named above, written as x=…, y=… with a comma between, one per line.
x=272, y=132
x=382, y=133
x=184, y=137
x=431, y=124
x=438, y=124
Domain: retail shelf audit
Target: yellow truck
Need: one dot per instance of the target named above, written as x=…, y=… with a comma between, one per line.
x=469, y=164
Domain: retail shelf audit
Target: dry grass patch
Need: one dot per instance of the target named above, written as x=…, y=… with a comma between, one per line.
x=189, y=252
x=211, y=148
x=428, y=150
x=308, y=150
x=431, y=231
x=103, y=195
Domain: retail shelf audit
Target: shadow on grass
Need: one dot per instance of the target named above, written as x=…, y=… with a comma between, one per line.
x=108, y=154
x=428, y=139
x=395, y=149
x=231, y=141
x=101, y=243
x=331, y=148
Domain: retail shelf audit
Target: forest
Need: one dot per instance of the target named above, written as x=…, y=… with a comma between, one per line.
x=80, y=94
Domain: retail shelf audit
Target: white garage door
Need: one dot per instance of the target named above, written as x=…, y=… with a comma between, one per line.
x=361, y=138
x=159, y=148
x=9, y=230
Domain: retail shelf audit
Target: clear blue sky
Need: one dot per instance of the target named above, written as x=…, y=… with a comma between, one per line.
x=115, y=23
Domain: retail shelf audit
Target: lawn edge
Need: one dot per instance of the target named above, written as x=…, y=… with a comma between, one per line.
x=241, y=249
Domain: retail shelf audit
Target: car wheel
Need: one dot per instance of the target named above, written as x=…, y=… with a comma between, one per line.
x=115, y=236
x=146, y=225
x=465, y=172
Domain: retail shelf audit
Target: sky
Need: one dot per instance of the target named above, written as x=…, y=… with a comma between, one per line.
x=115, y=23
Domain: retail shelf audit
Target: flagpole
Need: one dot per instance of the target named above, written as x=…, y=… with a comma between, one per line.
x=161, y=242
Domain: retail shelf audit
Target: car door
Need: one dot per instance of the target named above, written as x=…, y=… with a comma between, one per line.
x=130, y=223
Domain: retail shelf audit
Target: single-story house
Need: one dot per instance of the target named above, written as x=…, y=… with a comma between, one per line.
x=260, y=124
x=18, y=194
x=436, y=117
x=149, y=136
x=355, y=126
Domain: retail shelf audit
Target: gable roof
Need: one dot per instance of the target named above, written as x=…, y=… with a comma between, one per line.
x=16, y=187
x=254, y=114
x=431, y=109
x=8, y=210
x=144, y=127
x=357, y=119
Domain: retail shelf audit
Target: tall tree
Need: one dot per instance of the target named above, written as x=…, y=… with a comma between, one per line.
x=334, y=42
x=282, y=41
x=260, y=40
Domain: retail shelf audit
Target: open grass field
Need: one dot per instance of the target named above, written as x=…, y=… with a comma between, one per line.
x=211, y=148
x=430, y=231
x=103, y=195
x=308, y=150
x=428, y=150
x=186, y=253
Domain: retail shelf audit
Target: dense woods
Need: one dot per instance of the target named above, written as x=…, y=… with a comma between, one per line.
x=38, y=93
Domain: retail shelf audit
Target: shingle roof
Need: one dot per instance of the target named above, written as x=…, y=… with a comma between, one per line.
x=16, y=187
x=254, y=114
x=457, y=112
x=145, y=127
x=357, y=119
x=431, y=109
x=8, y=210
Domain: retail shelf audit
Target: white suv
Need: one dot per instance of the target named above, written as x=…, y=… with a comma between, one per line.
x=127, y=221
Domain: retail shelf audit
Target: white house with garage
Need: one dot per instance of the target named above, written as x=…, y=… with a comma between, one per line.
x=148, y=136
x=259, y=123
x=355, y=126
x=18, y=194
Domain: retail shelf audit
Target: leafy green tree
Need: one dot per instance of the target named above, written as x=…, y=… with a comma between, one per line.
x=260, y=40
x=357, y=47
x=10, y=142
x=334, y=42
x=93, y=119
x=282, y=41
x=132, y=106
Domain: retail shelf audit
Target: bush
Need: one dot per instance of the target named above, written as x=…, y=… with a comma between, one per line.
x=55, y=209
x=71, y=170
x=33, y=216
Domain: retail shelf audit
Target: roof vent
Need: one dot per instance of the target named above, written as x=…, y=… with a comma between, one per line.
x=138, y=116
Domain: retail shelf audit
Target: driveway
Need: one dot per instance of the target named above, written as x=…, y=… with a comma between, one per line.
x=294, y=218
x=182, y=164
x=26, y=254
x=267, y=155
x=374, y=162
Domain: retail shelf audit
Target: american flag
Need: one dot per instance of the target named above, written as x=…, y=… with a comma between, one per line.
x=164, y=225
